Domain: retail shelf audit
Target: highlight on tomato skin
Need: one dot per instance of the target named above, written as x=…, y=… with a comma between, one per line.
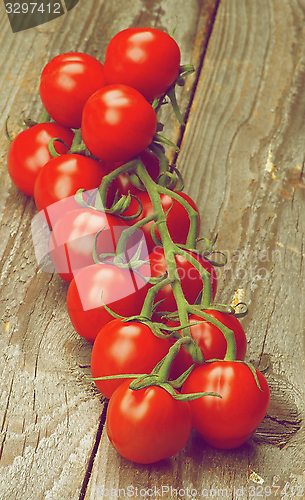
x=147, y=425
x=231, y=420
x=120, y=289
x=29, y=152
x=66, y=83
x=146, y=59
x=122, y=348
x=118, y=123
x=60, y=179
x=64, y=235
x=74, y=236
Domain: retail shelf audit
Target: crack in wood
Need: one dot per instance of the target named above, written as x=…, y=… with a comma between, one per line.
x=66, y=398
x=93, y=454
x=295, y=424
x=210, y=16
x=7, y=405
x=267, y=329
x=2, y=445
x=285, y=414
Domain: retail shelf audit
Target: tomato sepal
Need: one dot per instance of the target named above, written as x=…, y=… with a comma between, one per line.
x=80, y=148
x=158, y=150
x=160, y=373
x=28, y=122
x=251, y=367
x=158, y=138
x=173, y=179
x=216, y=263
x=171, y=93
x=156, y=240
x=184, y=71
x=137, y=385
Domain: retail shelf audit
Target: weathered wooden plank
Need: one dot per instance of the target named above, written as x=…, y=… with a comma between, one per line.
x=242, y=158
x=50, y=414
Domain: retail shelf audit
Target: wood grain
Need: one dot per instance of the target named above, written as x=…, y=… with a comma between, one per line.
x=244, y=145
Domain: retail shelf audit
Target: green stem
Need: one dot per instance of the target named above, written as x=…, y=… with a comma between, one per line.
x=163, y=161
x=163, y=140
x=170, y=249
x=45, y=117
x=9, y=138
x=107, y=179
x=151, y=295
x=205, y=276
x=193, y=215
x=168, y=360
x=76, y=141
x=228, y=334
x=172, y=95
x=127, y=233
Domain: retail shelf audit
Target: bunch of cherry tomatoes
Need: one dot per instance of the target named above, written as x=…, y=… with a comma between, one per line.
x=124, y=236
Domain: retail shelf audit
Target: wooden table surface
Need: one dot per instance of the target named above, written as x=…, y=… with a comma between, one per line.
x=242, y=157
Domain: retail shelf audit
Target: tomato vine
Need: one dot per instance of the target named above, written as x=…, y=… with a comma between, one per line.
x=111, y=200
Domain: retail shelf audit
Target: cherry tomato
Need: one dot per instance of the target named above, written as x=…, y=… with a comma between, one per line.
x=122, y=290
x=147, y=59
x=229, y=421
x=177, y=230
x=66, y=83
x=59, y=180
x=125, y=348
x=148, y=425
x=190, y=278
x=122, y=182
x=29, y=152
x=118, y=123
x=210, y=340
x=72, y=239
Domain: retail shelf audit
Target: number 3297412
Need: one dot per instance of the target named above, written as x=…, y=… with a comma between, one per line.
x=24, y=8
x=296, y=491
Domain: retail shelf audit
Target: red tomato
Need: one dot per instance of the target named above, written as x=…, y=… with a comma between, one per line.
x=66, y=83
x=177, y=230
x=118, y=123
x=147, y=59
x=229, y=421
x=29, y=152
x=210, y=340
x=190, y=278
x=148, y=425
x=124, y=185
x=125, y=348
x=72, y=239
x=123, y=292
x=59, y=180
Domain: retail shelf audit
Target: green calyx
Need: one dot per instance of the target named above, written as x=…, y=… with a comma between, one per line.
x=184, y=72
x=78, y=146
x=160, y=376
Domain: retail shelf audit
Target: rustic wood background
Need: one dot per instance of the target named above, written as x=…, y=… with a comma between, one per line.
x=242, y=157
